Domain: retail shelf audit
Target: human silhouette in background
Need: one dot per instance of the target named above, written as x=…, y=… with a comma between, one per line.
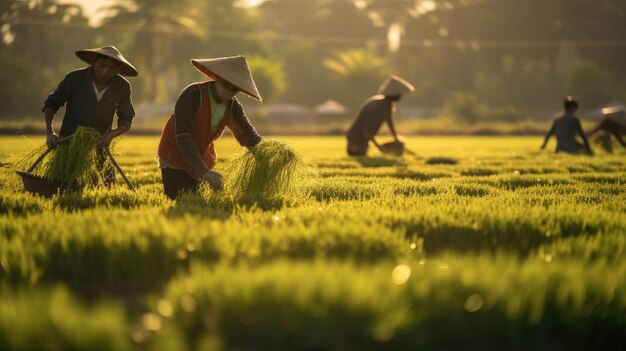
x=565, y=128
x=376, y=110
x=613, y=124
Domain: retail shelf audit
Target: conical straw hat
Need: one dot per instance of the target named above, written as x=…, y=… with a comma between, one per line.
x=395, y=85
x=232, y=69
x=616, y=113
x=89, y=56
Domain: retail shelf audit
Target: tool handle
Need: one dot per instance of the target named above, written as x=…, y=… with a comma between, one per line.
x=108, y=152
x=409, y=152
x=40, y=158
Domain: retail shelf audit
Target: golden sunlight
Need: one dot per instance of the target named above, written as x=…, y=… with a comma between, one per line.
x=251, y=3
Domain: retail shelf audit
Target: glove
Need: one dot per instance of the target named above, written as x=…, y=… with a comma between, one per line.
x=215, y=180
x=51, y=139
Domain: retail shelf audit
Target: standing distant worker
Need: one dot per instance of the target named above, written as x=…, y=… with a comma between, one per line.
x=565, y=129
x=376, y=110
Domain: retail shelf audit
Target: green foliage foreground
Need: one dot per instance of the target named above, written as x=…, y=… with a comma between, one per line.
x=505, y=248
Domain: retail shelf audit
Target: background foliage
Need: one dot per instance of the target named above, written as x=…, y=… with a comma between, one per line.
x=521, y=56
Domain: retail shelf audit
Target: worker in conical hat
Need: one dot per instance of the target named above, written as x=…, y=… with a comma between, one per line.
x=93, y=96
x=377, y=109
x=186, y=152
x=612, y=124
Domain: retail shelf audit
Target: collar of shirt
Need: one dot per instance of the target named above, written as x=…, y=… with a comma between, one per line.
x=99, y=94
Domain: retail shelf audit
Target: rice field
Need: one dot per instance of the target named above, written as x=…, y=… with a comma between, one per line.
x=474, y=243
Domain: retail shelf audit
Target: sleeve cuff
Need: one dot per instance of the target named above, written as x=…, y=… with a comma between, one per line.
x=124, y=122
x=49, y=106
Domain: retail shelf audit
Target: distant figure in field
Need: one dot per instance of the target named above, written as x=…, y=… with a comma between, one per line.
x=93, y=96
x=376, y=110
x=565, y=129
x=203, y=110
x=613, y=124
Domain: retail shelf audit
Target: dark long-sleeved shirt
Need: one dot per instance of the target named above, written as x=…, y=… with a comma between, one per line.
x=373, y=113
x=84, y=109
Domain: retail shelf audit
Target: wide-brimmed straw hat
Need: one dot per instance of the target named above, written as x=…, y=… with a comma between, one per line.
x=395, y=85
x=232, y=69
x=89, y=56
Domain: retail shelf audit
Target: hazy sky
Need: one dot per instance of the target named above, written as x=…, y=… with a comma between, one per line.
x=91, y=6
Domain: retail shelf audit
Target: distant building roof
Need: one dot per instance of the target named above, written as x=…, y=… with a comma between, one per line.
x=287, y=113
x=330, y=106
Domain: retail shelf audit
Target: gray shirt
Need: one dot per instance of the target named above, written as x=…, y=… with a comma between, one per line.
x=84, y=109
x=565, y=129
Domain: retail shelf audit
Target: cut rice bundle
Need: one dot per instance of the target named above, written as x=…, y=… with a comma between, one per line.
x=75, y=163
x=269, y=170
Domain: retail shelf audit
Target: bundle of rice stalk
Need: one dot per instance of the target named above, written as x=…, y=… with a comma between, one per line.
x=76, y=163
x=271, y=169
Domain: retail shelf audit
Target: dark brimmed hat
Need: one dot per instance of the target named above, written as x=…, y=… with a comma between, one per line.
x=395, y=85
x=232, y=69
x=89, y=56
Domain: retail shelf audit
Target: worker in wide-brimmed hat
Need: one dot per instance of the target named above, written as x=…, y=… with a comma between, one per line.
x=186, y=152
x=93, y=95
x=376, y=110
x=565, y=128
x=612, y=124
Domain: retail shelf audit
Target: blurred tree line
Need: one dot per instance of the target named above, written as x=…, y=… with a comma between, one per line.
x=479, y=59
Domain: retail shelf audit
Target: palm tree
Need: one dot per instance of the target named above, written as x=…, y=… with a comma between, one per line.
x=358, y=73
x=154, y=26
x=394, y=14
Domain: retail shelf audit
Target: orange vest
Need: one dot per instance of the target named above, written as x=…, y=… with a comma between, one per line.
x=202, y=136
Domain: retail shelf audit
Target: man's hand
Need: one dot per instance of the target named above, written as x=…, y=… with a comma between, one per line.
x=215, y=180
x=106, y=139
x=52, y=139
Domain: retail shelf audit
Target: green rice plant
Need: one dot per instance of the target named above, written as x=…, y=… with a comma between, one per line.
x=507, y=248
x=51, y=319
x=22, y=204
x=270, y=169
x=114, y=197
x=116, y=251
x=473, y=190
x=441, y=160
x=479, y=171
x=493, y=303
x=610, y=247
x=342, y=188
x=23, y=161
